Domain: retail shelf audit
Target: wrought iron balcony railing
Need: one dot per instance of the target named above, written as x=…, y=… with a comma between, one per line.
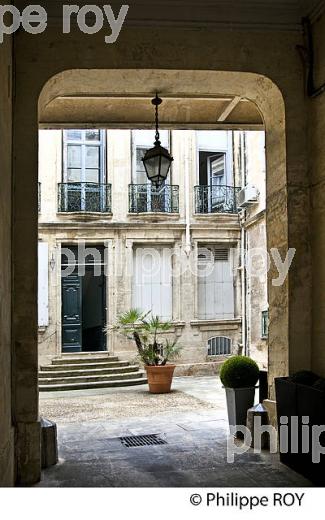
x=215, y=199
x=145, y=198
x=84, y=197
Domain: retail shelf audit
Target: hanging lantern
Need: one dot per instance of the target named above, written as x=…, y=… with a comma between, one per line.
x=157, y=160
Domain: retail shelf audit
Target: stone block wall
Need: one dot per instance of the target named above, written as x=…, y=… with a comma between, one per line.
x=317, y=169
x=6, y=430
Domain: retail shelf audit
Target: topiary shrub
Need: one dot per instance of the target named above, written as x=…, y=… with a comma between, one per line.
x=304, y=377
x=239, y=372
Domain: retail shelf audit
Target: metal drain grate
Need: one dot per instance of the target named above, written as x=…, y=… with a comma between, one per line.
x=134, y=441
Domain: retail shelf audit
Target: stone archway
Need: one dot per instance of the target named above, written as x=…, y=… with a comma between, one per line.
x=190, y=85
x=288, y=345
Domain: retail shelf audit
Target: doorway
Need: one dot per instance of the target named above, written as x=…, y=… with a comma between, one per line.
x=83, y=305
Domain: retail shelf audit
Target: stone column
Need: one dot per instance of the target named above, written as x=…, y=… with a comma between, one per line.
x=24, y=305
x=6, y=430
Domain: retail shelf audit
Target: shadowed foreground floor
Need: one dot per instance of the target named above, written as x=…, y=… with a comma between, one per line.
x=192, y=420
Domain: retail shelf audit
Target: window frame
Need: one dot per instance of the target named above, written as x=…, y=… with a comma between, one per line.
x=84, y=143
x=134, y=147
x=228, y=157
x=265, y=324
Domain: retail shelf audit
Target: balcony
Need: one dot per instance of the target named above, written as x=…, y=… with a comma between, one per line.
x=145, y=198
x=84, y=197
x=215, y=199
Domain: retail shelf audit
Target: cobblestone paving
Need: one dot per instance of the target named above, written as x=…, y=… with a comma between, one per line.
x=118, y=405
x=192, y=420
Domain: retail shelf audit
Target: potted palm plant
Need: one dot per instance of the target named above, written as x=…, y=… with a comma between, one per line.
x=154, y=351
x=239, y=375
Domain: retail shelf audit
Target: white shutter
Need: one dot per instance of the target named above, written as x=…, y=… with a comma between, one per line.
x=152, y=283
x=43, y=284
x=215, y=289
x=166, y=298
x=228, y=289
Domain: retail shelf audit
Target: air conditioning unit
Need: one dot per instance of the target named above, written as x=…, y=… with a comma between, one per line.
x=247, y=196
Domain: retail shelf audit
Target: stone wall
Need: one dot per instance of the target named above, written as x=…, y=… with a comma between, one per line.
x=257, y=296
x=317, y=167
x=6, y=430
x=255, y=226
x=249, y=163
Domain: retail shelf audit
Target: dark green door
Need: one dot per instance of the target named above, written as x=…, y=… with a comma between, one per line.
x=93, y=311
x=71, y=313
x=83, y=312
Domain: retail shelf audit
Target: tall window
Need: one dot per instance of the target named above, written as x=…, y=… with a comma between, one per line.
x=152, y=281
x=140, y=176
x=214, y=194
x=142, y=141
x=265, y=324
x=84, y=157
x=214, y=157
x=215, y=283
x=212, y=168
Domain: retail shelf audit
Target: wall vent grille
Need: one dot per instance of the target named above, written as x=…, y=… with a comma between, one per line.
x=219, y=346
x=210, y=254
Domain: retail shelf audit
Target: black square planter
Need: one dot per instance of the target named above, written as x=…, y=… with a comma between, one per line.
x=297, y=400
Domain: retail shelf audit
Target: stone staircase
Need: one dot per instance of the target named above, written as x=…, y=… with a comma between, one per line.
x=79, y=372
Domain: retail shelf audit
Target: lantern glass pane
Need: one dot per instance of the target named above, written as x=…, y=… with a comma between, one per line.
x=152, y=167
x=165, y=165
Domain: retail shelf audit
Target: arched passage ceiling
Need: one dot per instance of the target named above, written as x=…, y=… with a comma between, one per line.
x=119, y=112
x=121, y=99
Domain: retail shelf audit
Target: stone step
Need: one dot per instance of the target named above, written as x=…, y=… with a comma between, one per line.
x=93, y=384
x=83, y=359
x=49, y=381
x=97, y=370
x=84, y=366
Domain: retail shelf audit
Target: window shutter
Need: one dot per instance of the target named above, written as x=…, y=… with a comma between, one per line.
x=43, y=284
x=152, y=285
x=215, y=288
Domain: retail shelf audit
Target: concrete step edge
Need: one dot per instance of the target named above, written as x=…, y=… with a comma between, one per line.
x=101, y=384
x=81, y=360
x=98, y=378
x=71, y=366
x=92, y=371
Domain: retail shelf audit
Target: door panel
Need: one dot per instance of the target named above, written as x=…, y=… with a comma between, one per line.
x=71, y=314
x=93, y=312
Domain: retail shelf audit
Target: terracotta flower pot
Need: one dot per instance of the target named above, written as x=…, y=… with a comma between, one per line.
x=160, y=378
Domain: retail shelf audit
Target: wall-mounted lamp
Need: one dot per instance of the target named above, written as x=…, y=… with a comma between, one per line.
x=52, y=262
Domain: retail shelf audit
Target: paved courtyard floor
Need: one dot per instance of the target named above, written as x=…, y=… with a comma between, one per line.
x=192, y=420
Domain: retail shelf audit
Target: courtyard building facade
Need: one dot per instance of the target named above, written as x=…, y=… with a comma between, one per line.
x=109, y=240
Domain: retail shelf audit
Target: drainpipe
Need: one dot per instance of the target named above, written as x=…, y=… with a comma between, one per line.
x=243, y=245
x=243, y=283
x=188, y=245
x=307, y=55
